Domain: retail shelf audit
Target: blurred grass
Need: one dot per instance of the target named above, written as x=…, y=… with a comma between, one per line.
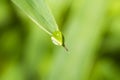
x=92, y=34
x=83, y=43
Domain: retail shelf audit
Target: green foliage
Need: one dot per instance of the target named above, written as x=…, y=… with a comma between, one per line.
x=92, y=34
x=38, y=12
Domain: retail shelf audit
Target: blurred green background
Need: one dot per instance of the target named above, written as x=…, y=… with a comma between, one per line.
x=92, y=35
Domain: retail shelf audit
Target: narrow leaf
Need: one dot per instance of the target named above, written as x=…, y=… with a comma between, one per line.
x=40, y=14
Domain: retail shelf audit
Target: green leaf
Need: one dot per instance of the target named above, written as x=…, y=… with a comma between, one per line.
x=40, y=14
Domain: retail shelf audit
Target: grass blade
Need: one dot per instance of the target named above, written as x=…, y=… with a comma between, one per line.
x=40, y=14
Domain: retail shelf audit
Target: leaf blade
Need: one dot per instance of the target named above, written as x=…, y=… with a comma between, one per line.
x=39, y=13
